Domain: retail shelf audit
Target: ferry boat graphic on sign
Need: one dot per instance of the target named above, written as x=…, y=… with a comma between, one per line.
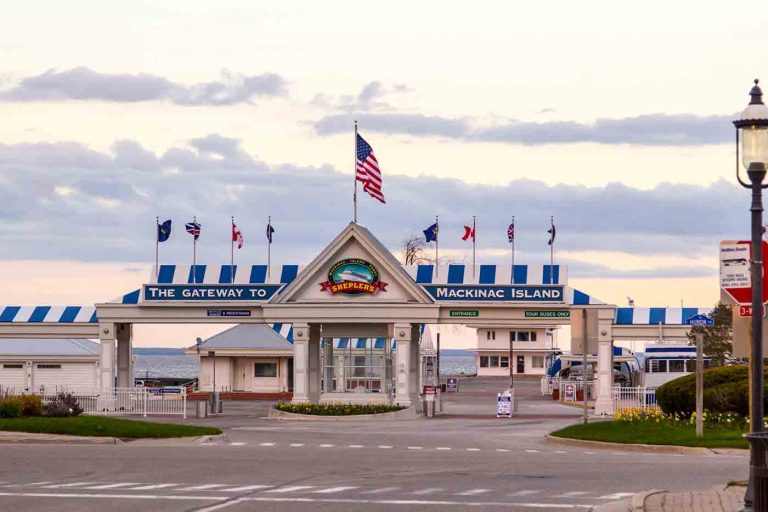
x=353, y=277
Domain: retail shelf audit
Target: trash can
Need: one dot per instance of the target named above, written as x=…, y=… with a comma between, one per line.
x=201, y=409
x=429, y=406
x=759, y=470
x=215, y=403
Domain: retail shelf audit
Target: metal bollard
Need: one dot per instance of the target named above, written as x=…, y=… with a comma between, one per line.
x=429, y=405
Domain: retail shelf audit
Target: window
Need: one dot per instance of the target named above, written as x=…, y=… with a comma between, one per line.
x=490, y=335
x=523, y=336
x=265, y=370
x=494, y=361
x=676, y=366
x=49, y=366
x=658, y=366
x=533, y=335
x=537, y=362
x=504, y=361
x=483, y=361
x=13, y=365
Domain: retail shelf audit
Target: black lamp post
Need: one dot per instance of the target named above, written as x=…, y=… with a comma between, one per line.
x=752, y=129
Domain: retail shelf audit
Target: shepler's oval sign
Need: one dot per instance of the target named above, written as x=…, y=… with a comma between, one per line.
x=353, y=277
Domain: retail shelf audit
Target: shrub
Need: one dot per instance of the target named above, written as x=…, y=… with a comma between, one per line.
x=11, y=407
x=62, y=406
x=32, y=405
x=725, y=390
x=336, y=409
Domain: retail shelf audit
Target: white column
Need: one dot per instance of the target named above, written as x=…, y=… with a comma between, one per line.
x=107, y=356
x=604, y=402
x=124, y=335
x=300, y=363
x=403, y=364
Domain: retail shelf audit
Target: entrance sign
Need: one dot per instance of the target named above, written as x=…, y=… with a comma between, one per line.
x=547, y=314
x=229, y=312
x=353, y=277
x=504, y=405
x=496, y=293
x=464, y=313
x=211, y=293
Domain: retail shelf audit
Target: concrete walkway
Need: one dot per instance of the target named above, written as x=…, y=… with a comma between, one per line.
x=730, y=499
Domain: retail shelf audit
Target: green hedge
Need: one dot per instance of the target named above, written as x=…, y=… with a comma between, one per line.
x=726, y=389
x=336, y=409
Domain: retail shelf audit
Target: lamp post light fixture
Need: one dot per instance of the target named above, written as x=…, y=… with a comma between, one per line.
x=752, y=131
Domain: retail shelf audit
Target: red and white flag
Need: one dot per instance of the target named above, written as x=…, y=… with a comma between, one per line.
x=468, y=233
x=367, y=170
x=237, y=236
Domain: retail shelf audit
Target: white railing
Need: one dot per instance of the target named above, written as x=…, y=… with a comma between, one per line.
x=171, y=401
x=640, y=397
x=578, y=385
x=546, y=385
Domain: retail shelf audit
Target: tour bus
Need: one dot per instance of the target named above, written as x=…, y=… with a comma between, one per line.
x=665, y=362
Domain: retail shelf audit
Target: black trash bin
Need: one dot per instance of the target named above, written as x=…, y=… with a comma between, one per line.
x=759, y=443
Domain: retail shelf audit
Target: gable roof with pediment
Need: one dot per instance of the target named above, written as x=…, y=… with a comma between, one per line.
x=355, y=241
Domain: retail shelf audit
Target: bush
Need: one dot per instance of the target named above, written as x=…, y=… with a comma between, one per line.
x=725, y=390
x=336, y=409
x=11, y=407
x=32, y=405
x=62, y=406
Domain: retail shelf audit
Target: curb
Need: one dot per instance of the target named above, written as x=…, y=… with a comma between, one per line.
x=409, y=413
x=658, y=448
x=9, y=437
x=638, y=500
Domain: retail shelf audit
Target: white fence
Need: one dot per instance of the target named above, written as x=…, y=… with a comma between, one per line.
x=170, y=401
x=640, y=397
x=549, y=384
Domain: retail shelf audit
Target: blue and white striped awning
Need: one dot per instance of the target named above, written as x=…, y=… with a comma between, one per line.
x=284, y=330
x=656, y=316
x=578, y=298
x=359, y=343
x=489, y=274
x=49, y=314
x=222, y=274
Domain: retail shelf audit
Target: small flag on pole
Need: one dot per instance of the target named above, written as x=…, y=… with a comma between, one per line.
x=367, y=170
x=511, y=232
x=552, y=233
x=193, y=228
x=237, y=236
x=270, y=230
x=164, y=231
x=430, y=234
x=469, y=233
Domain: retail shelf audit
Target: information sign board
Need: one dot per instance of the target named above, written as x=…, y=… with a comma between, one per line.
x=503, y=405
x=569, y=392
x=464, y=313
x=735, y=275
x=700, y=320
x=547, y=314
x=452, y=385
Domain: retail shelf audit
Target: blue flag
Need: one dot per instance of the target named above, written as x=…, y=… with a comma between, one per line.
x=431, y=233
x=164, y=231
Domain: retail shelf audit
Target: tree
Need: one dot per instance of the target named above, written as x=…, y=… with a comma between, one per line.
x=718, y=338
x=415, y=250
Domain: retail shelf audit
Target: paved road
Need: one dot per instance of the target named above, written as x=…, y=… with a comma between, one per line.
x=452, y=463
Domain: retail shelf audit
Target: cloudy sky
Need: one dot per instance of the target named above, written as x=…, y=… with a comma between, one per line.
x=614, y=118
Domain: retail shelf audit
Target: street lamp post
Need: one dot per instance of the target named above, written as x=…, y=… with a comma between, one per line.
x=752, y=129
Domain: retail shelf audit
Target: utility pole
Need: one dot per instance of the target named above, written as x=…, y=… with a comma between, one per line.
x=699, y=384
x=585, y=344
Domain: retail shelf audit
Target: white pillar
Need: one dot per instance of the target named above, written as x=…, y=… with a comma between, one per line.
x=604, y=402
x=107, y=356
x=300, y=363
x=124, y=335
x=403, y=365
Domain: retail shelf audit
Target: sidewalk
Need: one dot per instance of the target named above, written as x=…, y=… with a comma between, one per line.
x=730, y=499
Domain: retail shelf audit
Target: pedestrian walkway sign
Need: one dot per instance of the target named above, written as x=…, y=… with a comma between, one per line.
x=503, y=405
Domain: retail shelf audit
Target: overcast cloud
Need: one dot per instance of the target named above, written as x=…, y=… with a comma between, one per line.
x=651, y=129
x=65, y=201
x=83, y=83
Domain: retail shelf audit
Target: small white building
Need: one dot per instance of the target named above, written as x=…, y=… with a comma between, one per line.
x=250, y=358
x=532, y=348
x=49, y=364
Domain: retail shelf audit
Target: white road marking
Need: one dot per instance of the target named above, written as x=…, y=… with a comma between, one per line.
x=473, y=492
x=428, y=490
x=589, y=453
x=501, y=450
x=571, y=494
x=114, y=496
x=443, y=448
x=43, y=482
x=153, y=486
x=523, y=493
x=203, y=487
x=113, y=486
x=327, y=445
x=332, y=490
x=560, y=451
x=414, y=448
x=473, y=449
x=220, y=506
x=616, y=496
x=291, y=488
x=73, y=484
x=244, y=488
x=385, y=447
x=356, y=446
x=295, y=445
x=532, y=451
x=266, y=444
x=237, y=444
x=380, y=490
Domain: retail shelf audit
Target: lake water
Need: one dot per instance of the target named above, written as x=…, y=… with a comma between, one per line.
x=186, y=367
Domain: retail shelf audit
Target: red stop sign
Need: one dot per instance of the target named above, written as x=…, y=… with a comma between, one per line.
x=744, y=295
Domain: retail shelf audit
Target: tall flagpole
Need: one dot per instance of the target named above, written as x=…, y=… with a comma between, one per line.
x=474, y=243
x=194, y=253
x=552, y=252
x=513, y=250
x=354, y=175
x=269, y=248
x=232, y=250
x=157, y=247
x=437, y=245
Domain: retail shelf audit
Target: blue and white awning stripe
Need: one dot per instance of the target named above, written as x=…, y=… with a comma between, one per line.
x=49, y=314
x=284, y=330
x=359, y=343
x=489, y=274
x=578, y=298
x=222, y=274
x=655, y=316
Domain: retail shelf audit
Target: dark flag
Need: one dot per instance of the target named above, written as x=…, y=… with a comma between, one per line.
x=270, y=230
x=164, y=231
x=551, y=232
x=511, y=232
x=193, y=228
x=430, y=234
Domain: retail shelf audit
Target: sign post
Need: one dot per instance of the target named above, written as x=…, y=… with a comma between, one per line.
x=700, y=321
x=504, y=405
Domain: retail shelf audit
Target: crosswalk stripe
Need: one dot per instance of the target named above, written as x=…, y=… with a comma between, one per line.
x=113, y=486
x=153, y=486
x=473, y=492
x=428, y=490
x=244, y=488
x=291, y=488
x=332, y=490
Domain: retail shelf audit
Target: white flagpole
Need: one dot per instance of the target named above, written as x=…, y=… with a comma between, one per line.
x=194, y=253
x=437, y=245
x=354, y=176
x=513, y=249
x=552, y=252
x=232, y=250
x=474, y=243
x=269, y=249
x=157, y=247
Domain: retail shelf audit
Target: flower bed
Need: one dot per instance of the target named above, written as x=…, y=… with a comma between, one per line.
x=336, y=409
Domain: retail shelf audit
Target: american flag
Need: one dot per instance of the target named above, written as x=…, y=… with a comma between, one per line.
x=193, y=228
x=511, y=232
x=367, y=170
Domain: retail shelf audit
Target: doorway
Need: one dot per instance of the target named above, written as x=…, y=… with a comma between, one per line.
x=520, y=364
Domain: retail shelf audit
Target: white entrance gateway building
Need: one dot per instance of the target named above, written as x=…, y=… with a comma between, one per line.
x=355, y=289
